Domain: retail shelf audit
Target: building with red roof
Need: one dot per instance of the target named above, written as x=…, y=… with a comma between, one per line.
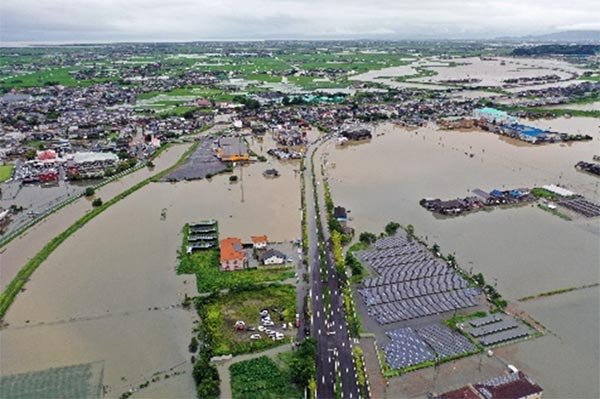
x=233, y=256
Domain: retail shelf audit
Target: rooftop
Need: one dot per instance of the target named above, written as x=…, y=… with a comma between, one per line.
x=231, y=249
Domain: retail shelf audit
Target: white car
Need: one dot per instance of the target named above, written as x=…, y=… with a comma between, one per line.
x=268, y=323
x=255, y=336
x=278, y=336
x=261, y=328
x=264, y=312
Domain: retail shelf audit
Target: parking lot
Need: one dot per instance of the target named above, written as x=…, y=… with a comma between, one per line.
x=200, y=164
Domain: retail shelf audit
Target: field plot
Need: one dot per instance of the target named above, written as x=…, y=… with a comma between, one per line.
x=263, y=378
x=220, y=315
x=82, y=381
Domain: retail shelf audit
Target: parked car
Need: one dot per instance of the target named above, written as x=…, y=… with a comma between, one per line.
x=255, y=336
x=261, y=328
x=278, y=336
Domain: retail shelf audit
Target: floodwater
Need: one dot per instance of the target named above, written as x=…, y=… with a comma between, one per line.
x=594, y=106
x=524, y=250
x=20, y=250
x=490, y=72
x=90, y=300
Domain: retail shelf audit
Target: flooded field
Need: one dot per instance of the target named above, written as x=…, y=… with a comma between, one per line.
x=489, y=72
x=595, y=106
x=523, y=250
x=106, y=295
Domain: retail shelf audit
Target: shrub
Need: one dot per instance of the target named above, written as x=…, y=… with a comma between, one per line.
x=367, y=238
x=89, y=191
x=97, y=202
x=391, y=228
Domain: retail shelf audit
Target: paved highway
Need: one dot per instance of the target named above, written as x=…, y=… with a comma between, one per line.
x=328, y=322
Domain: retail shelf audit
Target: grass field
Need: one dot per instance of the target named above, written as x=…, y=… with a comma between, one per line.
x=5, y=172
x=221, y=313
x=264, y=378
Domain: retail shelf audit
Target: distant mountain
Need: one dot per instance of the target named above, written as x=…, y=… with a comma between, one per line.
x=572, y=36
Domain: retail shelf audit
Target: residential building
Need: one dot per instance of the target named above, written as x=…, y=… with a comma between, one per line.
x=232, y=255
x=272, y=257
x=259, y=242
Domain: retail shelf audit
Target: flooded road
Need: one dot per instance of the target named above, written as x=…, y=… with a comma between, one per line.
x=110, y=291
x=523, y=250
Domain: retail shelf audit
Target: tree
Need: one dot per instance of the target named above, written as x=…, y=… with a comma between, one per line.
x=30, y=154
x=302, y=365
x=391, y=228
x=89, y=191
x=97, y=202
x=193, y=347
x=367, y=238
x=410, y=230
x=451, y=259
x=479, y=279
x=436, y=248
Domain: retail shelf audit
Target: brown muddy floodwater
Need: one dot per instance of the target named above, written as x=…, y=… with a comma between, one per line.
x=523, y=250
x=90, y=300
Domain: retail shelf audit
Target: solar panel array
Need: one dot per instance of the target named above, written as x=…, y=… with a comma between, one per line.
x=406, y=348
x=445, y=342
x=582, y=206
x=409, y=346
x=422, y=306
x=497, y=328
x=412, y=283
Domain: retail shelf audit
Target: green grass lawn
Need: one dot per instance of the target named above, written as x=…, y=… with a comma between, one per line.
x=5, y=172
x=263, y=378
x=220, y=314
x=543, y=193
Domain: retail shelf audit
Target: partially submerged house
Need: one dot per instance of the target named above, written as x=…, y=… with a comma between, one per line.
x=259, y=242
x=232, y=149
x=272, y=257
x=339, y=212
x=232, y=255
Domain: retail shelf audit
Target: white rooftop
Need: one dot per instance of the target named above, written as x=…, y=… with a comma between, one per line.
x=559, y=190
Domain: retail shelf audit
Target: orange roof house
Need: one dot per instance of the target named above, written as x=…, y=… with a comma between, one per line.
x=232, y=255
x=259, y=241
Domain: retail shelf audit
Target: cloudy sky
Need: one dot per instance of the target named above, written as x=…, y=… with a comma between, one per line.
x=160, y=20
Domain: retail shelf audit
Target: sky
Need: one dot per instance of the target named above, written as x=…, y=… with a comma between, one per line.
x=188, y=20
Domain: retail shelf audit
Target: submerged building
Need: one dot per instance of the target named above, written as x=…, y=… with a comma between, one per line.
x=494, y=115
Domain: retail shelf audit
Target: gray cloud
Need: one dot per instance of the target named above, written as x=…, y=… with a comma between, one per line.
x=106, y=20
